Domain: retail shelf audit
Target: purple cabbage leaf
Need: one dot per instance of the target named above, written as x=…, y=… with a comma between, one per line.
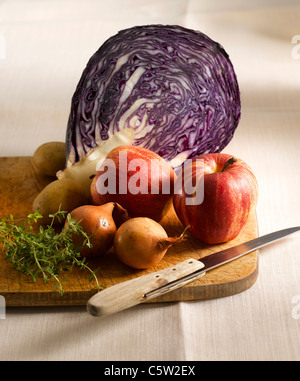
x=170, y=89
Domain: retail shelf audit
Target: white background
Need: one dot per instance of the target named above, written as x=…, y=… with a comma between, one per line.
x=45, y=46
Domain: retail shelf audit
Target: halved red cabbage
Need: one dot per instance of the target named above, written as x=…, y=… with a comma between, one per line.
x=166, y=88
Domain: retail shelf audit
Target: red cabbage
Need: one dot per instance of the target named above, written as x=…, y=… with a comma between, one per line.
x=166, y=88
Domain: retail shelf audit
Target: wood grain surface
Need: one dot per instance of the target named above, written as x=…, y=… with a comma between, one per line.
x=19, y=185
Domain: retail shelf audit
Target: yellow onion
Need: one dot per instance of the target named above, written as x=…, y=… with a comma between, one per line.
x=100, y=223
x=141, y=242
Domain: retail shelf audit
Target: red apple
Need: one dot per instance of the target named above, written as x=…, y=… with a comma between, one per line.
x=230, y=193
x=138, y=179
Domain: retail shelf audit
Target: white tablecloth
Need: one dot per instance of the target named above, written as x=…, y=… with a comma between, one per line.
x=44, y=46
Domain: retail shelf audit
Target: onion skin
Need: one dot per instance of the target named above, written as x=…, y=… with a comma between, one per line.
x=230, y=195
x=154, y=206
x=142, y=242
x=100, y=226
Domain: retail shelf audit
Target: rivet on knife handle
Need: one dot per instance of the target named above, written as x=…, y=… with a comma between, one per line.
x=132, y=292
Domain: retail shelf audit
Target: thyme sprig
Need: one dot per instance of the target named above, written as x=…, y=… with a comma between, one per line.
x=41, y=251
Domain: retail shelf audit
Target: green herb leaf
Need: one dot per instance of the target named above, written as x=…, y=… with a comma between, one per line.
x=45, y=253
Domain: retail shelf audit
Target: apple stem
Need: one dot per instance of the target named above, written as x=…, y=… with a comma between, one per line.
x=229, y=162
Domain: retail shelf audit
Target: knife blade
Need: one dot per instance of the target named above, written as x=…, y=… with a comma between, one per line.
x=139, y=290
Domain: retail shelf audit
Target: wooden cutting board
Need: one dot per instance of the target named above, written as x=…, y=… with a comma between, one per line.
x=19, y=185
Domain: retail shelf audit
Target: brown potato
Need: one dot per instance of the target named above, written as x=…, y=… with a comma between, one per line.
x=65, y=193
x=49, y=158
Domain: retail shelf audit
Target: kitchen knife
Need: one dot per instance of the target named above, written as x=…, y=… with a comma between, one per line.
x=135, y=291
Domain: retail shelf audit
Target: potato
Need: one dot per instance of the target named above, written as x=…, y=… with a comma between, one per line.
x=66, y=193
x=49, y=158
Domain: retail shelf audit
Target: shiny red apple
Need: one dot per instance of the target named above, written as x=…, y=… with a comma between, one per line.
x=138, y=179
x=225, y=193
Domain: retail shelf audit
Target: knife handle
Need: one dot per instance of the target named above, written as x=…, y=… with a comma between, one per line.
x=132, y=292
